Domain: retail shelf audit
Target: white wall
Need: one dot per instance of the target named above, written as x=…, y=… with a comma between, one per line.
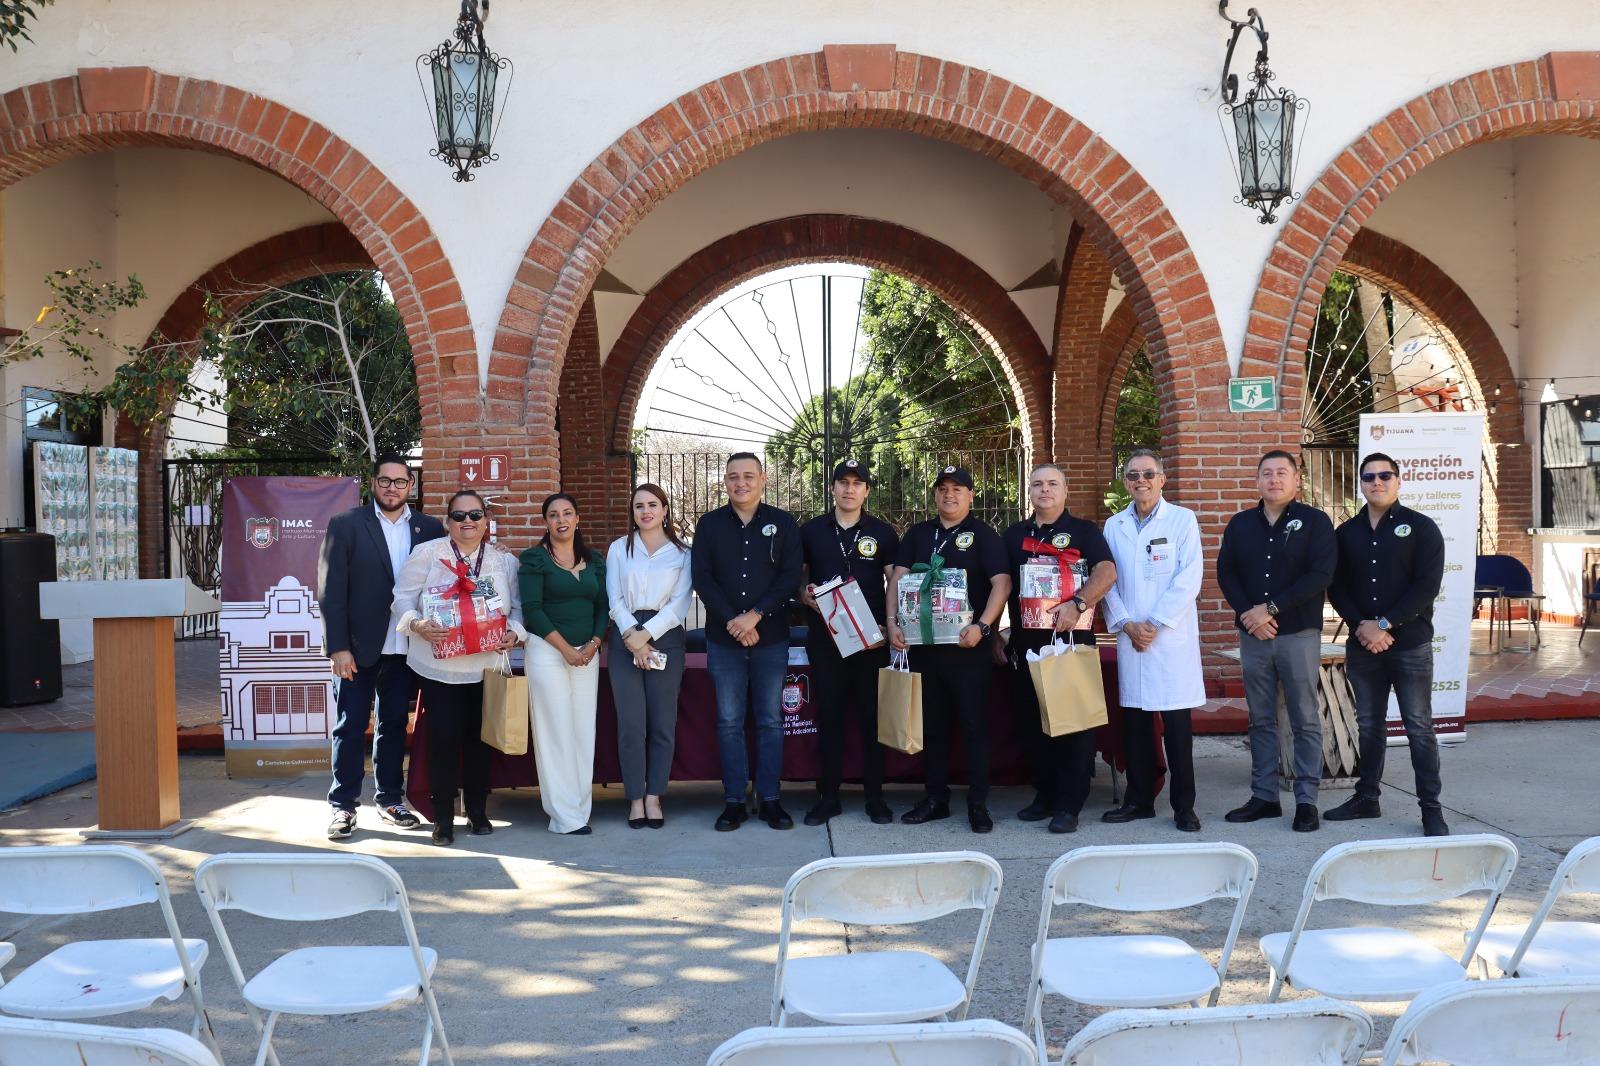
x=1142, y=73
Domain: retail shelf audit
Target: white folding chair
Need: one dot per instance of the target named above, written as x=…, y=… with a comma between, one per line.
x=980, y=1042
x=330, y=980
x=882, y=987
x=39, y=1043
x=1551, y=949
x=1310, y=1032
x=98, y=978
x=1494, y=1023
x=1378, y=963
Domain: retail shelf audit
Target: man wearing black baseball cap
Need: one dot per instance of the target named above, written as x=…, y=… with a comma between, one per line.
x=850, y=543
x=955, y=677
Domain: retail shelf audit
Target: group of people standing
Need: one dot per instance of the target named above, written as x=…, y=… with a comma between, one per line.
x=1143, y=573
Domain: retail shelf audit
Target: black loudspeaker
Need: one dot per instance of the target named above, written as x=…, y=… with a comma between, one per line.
x=30, y=646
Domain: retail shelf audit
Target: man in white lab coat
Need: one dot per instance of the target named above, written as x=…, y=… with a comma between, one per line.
x=1151, y=609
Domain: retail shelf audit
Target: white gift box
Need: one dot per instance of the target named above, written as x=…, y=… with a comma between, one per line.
x=850, y=622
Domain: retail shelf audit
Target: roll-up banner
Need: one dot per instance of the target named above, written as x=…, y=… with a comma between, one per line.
x=277, y=689
x=1441, y=474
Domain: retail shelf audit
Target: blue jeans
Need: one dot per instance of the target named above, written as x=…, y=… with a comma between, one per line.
x=749, y=680
x=1288, y=663
x=1409, y=674
x=395, y=686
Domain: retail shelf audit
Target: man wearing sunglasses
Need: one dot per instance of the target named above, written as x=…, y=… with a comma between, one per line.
x=1391, y=564
x=361, y=554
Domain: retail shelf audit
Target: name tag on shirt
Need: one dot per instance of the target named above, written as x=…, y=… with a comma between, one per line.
x=1158, y=558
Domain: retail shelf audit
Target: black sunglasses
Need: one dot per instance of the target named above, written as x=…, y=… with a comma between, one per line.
x=1145, y=475
x=1378, y=475
x=473, y=515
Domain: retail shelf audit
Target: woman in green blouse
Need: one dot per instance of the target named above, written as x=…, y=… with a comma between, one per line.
x=564, y=608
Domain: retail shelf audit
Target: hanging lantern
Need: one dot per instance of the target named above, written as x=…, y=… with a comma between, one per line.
x=466, y=86
x=1261, y=130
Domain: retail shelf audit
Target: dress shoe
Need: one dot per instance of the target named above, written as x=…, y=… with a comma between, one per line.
x=1037, y=811
x=1128, y=813
x=1186, y=821
x=1253, y=809
x=1064, y=822
x=824, y=809
x=926, y=810
x=731, y=818
x=656, y=823
x=479, y=826
x=1353, y=808
x=879, y=812
x=1433, y=824
x=1305, y=818
x=772, y=812
x=636, y=823
x=581, y=831
x=444, y=835
x=978, y=818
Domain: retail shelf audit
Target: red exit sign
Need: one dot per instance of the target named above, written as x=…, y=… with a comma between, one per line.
x=485, y=468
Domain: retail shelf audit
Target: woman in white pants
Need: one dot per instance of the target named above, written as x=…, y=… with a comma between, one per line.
x=564, y=607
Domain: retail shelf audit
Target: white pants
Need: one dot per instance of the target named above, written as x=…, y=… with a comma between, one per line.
x=563, y=704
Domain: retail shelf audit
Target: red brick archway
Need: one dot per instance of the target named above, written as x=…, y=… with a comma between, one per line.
x=104, y=109
x=323, y=248
x=857, y=86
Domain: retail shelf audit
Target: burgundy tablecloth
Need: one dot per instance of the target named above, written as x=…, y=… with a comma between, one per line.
x=695, y=758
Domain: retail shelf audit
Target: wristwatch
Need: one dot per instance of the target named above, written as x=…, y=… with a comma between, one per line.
x=1383, y=624
x=1082, y=604
x=1272, y=609
x=983, y=627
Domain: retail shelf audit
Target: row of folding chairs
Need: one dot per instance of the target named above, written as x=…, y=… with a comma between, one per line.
x=104, y=978
x=1464, y=1023
x=1362, y=964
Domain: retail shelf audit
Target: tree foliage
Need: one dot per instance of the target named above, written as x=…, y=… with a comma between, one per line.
x=14, y=17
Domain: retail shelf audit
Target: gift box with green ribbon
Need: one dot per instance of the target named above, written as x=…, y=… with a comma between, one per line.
x=932, y=603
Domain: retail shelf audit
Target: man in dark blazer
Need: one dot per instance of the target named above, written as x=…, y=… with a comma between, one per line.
x=361, y=554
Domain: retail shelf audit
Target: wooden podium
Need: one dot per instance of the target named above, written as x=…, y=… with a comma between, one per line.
x=135, y=695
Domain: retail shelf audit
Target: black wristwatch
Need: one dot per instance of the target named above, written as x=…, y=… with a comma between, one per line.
x=1082, y=604
x=983, y=627
x=1272, y=609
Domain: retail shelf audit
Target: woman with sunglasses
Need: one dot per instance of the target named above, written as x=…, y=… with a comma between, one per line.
x=461, y=567
x=564, y=594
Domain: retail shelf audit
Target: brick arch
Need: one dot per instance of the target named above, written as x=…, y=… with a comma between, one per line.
x=1508, y=509
x=103, y=109
x=753, y=251
x=323, y=248
x=854, y=86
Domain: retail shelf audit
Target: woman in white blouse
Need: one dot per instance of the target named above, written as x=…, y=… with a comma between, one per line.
x=647, y=581
x=452, y=687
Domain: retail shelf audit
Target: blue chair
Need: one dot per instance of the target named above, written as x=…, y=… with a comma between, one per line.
x=1590, y=601
x=1516, y=586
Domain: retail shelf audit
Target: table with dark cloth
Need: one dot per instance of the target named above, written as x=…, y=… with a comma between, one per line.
x=695, y=758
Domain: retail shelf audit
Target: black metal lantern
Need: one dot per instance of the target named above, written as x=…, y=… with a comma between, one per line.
x=1261, y=130
x=466, y=86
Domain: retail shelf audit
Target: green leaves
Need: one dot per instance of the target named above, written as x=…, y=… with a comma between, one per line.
x=14, y=16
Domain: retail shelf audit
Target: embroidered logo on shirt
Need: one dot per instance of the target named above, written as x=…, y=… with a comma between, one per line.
x=868, y=546
x=1294, y=524
x=1061, y=540
x=963, y=541
x=768, y=530
x=1402, y=530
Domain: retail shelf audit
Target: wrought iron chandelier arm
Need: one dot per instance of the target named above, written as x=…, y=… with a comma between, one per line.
x=1251, y=21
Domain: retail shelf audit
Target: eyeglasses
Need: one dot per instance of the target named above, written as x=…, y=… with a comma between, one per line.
x=392, y=482
x=473, y=515
x=1378, y=475
x=1144, y=475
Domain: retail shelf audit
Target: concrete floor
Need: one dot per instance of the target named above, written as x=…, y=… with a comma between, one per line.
x=654, y=946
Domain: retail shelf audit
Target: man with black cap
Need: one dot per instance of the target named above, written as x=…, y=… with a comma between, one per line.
x=850, y=543
x=1059, y=766
x=955, y=677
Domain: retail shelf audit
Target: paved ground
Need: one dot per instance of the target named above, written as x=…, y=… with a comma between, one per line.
x=569, y=950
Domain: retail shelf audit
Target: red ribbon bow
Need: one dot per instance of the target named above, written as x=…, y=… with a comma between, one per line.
x=1065, y=557
x=462, y=592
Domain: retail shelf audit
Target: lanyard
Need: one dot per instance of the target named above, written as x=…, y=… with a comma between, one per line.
x=938, y=545
x=477, y=568
x=843, y=551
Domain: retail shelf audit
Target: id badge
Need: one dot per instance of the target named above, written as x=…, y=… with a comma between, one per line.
x=1158, y=557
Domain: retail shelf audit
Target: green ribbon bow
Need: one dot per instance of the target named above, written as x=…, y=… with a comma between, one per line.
x=931, y=570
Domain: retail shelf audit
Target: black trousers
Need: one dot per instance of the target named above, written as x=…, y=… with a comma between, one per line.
x=955, y=683
x=1139, y=745
x=841, y=687
x=1060, y=768
x=456, y=747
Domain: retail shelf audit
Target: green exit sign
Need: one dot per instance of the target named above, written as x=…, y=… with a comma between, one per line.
x=1252, y=394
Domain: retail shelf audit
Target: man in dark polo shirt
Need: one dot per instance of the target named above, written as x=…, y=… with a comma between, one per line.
x=1274, y=567
x=746, y=564
x=955, y=677
x=847, y=542
x=1060, y=767
x=1391, y=564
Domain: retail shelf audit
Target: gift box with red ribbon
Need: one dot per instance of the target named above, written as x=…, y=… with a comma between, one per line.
x=1044, y=581
x=469, y=611
x=844, y=608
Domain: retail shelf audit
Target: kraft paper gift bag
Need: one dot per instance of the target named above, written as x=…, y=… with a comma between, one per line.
x=1066, y=678
x=900, y=706
x=505, y=709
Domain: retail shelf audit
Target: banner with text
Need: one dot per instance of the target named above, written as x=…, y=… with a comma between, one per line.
x=277, y=691
x=1441, y=475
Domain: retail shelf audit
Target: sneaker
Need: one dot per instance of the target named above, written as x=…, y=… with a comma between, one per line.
x=342, y=826
x=397, y=814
